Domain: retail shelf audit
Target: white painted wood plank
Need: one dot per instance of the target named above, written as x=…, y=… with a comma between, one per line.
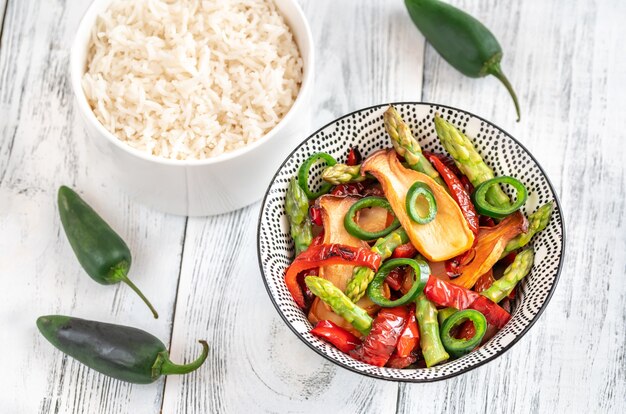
x=568, y=68
x=42, y=145
x=367, y=52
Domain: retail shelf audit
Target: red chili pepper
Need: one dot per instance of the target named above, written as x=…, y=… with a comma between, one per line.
x=446, y=160
x=354, y=156
x=395, y=278
x=467, y=184
x=348, y=189
x=404, y=251
x=450, y=295
x=325, y=255
x=336, y=335
x=382, y=339
x=494, y=314
x=316, y=215
x=396, y=361
x=410, y=337
x=458, y=193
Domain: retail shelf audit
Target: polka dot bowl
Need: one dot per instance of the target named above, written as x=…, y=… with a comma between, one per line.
x=364, y=129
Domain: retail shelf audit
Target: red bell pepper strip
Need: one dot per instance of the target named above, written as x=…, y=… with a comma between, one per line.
x=450, y=295
x=354, y=157
x=493, y=312
x=327, y=255
x=410, y=337
x=446, y=294
x=458, y=193
x=336, y=335
x=404, y=251
x=399, y=362
x=378, y=346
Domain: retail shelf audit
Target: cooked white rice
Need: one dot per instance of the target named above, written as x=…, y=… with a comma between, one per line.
x=191, y=79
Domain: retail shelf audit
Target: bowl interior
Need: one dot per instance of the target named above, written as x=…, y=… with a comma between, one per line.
x=364, y=129
x=294, y=17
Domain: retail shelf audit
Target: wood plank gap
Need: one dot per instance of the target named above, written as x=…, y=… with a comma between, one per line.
x=180, y=269
x=4, y=6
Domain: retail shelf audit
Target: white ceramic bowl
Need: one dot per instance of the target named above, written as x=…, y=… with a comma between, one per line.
x=197, y=187
x=364, y=129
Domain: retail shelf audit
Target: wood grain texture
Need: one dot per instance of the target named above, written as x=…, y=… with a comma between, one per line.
x=42, y=146
x=568, y=68
x=367, y=52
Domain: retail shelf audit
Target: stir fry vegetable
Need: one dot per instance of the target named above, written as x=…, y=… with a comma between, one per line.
x=444, y=237
x=458, y=347
x=420, y=241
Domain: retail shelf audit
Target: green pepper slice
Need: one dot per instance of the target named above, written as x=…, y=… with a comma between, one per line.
x=485, y=208
x=459, y=347
x=420, y=189
x=353, y=228
x=303, y=174
x=422, y=273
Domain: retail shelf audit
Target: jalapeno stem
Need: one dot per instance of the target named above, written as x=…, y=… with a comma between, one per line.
x=164, y=366
x=126, y=280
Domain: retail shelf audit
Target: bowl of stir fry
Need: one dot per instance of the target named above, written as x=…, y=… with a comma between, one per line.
x=410, y=242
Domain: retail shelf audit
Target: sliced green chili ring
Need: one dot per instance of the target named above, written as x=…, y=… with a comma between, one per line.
x=459, y=347
x=422, y=273
x=484, y=208
x=303, y=174
x=420, y=189
x=353, y=228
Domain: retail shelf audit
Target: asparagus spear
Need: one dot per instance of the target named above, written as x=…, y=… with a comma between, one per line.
x=362, y=276
x=536, y=223
x=468, y=160
x=339, y=303
x=445, y=313
x=342, y=174
x=430, y=341
x=407, y=146
x=297, y=208
x=516, y=271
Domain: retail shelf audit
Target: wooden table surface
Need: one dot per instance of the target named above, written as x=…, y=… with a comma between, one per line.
x=568, y=64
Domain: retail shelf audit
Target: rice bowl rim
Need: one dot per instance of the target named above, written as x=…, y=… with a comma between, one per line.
x=78, y=60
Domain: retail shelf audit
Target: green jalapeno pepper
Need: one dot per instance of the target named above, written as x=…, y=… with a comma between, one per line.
x=422, y=273
x=303, y=174
x=420, y=189
x=485, y=208
x=128, y=354
x=462, y=40
x=99, y=249
x=353, y=228
x=459, y=347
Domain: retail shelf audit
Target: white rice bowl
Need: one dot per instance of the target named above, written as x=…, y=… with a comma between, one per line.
x=191, y=79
